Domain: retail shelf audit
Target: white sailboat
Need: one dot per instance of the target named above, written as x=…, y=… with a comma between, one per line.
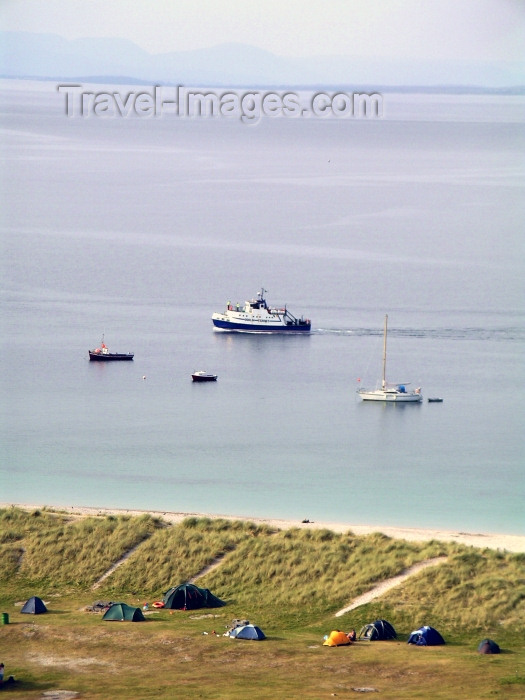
x=389, y=391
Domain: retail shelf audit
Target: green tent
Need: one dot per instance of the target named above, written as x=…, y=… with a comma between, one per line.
x=123, y=613
x=187, y=596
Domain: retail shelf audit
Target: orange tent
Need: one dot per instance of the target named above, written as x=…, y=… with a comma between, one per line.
x=336, y=639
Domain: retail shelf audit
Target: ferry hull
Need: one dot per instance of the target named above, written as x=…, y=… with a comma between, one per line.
x=259, y=327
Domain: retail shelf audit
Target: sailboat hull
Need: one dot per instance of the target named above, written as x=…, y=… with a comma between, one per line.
x=390, y=396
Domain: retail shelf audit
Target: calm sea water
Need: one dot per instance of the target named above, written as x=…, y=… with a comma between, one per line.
x=141, y=229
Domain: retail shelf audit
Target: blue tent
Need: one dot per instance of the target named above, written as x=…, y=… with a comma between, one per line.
x=487, y=646
x=380, y=629
x=35, y=606
x=248, y=632
x=426, y=636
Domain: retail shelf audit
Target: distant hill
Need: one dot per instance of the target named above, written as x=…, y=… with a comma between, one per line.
x=32, y=55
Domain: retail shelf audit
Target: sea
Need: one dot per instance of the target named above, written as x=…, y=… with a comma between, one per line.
x=139, y=229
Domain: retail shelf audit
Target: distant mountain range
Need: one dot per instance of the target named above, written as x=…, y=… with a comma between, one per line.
x=40, y=56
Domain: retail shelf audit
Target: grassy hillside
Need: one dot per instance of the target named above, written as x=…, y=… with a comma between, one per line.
x=289, y=582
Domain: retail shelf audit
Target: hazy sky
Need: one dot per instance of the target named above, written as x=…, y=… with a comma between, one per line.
x=426, y=29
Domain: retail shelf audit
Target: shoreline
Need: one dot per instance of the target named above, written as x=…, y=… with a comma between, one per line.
x=507, y=542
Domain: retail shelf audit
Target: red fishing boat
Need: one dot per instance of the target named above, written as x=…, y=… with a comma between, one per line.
x=102, y=354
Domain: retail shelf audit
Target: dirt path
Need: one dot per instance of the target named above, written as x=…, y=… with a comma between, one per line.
x=385, y=586
x=115, y=566
x=206, y=570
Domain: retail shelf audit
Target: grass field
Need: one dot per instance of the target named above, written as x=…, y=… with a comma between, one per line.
x=288, y=582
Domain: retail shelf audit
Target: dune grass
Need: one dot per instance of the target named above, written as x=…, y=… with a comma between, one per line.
x=176, y=554
x=478, y=589
x=53, y=550
x=311, y=572
x=290, y=583
x=16, y=526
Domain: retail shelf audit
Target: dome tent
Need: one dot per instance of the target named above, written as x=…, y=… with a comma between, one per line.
x=187, y=596
x=336, y=638
x=35, y=606
x=120, y=612
x=248, y=632
x=426, y=636
x=488, y=646
x=378, y=630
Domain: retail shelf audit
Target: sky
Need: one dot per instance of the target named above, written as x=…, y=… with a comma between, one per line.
x=485, y=30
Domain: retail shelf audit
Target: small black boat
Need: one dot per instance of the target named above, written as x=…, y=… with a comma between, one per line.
x=203, y=377
x=435, y=400
x=102, y=354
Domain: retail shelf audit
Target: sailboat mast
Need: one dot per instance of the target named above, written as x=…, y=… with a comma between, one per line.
x=384, y=352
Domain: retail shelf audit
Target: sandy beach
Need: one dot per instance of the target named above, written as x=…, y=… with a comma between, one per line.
x=507, y=542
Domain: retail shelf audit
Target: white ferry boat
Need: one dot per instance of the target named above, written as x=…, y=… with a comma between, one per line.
x=257, y=317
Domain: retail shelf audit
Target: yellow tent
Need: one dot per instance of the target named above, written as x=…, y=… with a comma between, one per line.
x=336, y=639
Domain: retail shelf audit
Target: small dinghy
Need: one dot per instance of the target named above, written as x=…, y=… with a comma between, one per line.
x=435, y=399
x=203, y=377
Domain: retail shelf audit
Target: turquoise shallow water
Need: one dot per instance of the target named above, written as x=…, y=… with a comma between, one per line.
x=143, y=230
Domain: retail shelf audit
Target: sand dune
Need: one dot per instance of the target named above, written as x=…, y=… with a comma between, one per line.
x=508, y=542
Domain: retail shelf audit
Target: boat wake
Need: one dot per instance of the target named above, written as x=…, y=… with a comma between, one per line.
x=503, y=334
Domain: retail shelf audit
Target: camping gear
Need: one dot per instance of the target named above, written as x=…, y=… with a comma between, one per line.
x=239, y=623
x=35, y=606
x=426, y=636
x=236, y=623
x=187, y=596
x=248, y=632
x=5, y=618
x=120, y=612
x=378, y=630
x=488, y=646
x=336, y=639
